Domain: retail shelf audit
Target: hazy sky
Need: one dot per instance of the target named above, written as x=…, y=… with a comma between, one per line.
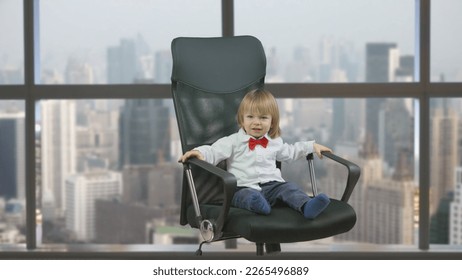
x=73, y=27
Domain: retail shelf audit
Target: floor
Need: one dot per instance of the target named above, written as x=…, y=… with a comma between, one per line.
x=217, y=250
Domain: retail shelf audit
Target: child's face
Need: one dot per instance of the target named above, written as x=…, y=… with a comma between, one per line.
x=256, y=125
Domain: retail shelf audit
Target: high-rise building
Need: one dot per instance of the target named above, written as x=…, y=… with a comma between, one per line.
x=144, y=132
x=396, y=132
x=58, y=140
x=440, y=220
x=12, y=155
x=382, y=59
x=98, y=140
x=82, y=192
x=385, y=206
x=326, y=60
x=78, y=72
x=122, y=223
x=272, y=62
x=405, y=72
x=455, y=212
x=163, y=66
x=122, y=62
x=444, y=124
x=347, y=121
x=298, y=69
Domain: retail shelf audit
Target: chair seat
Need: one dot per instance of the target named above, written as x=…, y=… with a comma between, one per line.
x=285, y=224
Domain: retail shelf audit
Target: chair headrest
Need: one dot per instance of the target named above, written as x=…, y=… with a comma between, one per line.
x=218, y=64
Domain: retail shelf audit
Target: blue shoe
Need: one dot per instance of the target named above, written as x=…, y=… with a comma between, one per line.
x=315, y=206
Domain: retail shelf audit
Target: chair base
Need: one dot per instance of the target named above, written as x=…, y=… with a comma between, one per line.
x=270, y=248
x=228, y=245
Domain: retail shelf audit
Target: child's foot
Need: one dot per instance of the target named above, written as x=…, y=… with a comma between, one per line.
x=315, y=206
x=252, y=200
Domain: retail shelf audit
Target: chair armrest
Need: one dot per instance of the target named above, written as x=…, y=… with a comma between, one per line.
x=353, y=174
x=229, y=188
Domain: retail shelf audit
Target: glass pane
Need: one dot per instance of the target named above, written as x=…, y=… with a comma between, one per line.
x=12, y=172
x=116, y=161
x=446, y=41
x=377, y=135
x=118, y=42
x=11, y=44
x=334, y=40
x=446, y=172
x=110, y=173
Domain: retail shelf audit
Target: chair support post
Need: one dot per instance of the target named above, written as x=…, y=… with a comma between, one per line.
x=192, y=190
x=310, y=160
x=260, y=249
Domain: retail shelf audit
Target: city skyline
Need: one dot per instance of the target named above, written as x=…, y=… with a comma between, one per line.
x=82, y=120
x=340, y=62
x=93, y=36
x=79, y=136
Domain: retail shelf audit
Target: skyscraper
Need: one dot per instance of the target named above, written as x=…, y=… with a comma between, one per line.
x=455, y=230
x=163, y=66
x=405, y=72
x=122, y=62
x=12, y=155
x=382, y=59
x=82, y=192
x=58, y=139
x=444, y=152
x=385, y=206
x=144, y=132
x=78, y=72
x=396, y=126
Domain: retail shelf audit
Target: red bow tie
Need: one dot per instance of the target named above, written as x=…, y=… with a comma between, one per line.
x=254, y=142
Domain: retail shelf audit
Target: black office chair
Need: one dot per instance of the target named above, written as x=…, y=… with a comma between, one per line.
x=210, y=77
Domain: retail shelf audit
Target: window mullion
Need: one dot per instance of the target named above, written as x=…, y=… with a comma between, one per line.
x=423, y=34
x=30, y=22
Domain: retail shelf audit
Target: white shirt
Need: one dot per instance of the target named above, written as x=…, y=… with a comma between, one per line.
x=258, y=166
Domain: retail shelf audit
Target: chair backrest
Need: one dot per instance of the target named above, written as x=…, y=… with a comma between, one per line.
x=210, y=76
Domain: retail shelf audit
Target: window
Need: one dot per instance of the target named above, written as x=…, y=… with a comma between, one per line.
x=384, y=197
x=333, y=41
x=11, y=45
x=117, y=42
x=352, y=64
x=121, y=179
x=446, y=41
x=12, y=172
x=126, y=182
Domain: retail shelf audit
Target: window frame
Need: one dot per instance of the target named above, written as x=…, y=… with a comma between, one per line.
x=422, y=90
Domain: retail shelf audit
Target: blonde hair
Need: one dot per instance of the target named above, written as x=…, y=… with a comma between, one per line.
x=261, y=102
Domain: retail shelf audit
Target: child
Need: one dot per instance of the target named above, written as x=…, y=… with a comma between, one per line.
x=251, y=156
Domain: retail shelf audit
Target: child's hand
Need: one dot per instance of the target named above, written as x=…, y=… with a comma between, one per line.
x=189, y=154
x=318, y=148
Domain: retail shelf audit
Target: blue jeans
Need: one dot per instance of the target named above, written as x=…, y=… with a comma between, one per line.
x=274, y=192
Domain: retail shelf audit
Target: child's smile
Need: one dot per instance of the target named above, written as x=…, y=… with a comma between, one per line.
x=256, y=125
